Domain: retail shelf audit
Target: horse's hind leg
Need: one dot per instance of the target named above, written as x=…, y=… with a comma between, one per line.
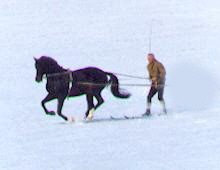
x=89, y=113
x=60, y=106
x=100, y=100
x=48, y=98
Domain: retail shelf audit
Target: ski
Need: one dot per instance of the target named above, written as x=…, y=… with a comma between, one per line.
x=115, y=119
x=109, y=119
x=129, y=117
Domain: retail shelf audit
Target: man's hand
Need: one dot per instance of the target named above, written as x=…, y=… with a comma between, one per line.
x=154, y=81
x=156, y=84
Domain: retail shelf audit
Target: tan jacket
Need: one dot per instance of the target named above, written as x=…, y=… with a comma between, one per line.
x=157, y=72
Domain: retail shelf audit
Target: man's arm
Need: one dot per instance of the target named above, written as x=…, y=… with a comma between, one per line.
x=154, y=76
x=162, y=71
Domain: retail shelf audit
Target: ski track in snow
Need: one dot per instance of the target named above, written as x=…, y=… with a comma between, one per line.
x=112, y=35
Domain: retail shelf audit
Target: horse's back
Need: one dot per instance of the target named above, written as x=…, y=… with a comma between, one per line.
x=90, y=69
x=92, y=74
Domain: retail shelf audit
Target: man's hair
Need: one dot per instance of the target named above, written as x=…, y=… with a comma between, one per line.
x=151, y=54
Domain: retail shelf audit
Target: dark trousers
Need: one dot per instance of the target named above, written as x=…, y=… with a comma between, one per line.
x=153, y=91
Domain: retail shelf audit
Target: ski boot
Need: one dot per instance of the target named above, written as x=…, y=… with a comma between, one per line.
x=147, y=113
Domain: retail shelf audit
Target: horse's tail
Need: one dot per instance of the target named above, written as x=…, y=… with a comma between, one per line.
x=116, y=91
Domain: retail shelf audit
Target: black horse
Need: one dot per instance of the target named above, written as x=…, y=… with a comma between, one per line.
x=62, y=83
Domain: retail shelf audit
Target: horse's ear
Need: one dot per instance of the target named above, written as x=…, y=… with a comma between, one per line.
x=35, y=59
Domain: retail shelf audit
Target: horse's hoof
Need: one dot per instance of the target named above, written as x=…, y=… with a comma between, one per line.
x=51, y=113
x=91, y=115
x=71, y=119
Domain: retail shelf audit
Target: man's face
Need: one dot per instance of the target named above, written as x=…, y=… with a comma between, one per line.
x=150, y=58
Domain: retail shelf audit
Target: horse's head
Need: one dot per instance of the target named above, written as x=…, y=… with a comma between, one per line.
x=40, y=70
x=45, y=65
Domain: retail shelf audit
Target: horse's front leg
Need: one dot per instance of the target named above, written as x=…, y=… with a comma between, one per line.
x=91, y=107
x=48, y=98
x=60, y=106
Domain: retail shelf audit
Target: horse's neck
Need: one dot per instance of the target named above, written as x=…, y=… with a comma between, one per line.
x=54, y=71
x=57, y=69
x=61, y=69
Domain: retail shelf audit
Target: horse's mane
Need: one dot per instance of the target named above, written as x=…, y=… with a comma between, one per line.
x=50, y=62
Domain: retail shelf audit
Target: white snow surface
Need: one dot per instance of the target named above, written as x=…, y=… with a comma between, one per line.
x=114, y=36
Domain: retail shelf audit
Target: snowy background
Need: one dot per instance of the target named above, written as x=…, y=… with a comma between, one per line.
x=112, y=35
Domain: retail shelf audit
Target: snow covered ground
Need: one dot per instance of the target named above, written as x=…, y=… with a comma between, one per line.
x=112, y=35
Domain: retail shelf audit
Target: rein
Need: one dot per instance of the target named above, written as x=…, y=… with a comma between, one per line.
x=128, y=85
x=118, y=74
x=96, y=84
x=131, y=76
x=58, y=74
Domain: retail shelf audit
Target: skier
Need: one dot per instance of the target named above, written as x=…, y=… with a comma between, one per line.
x=157, y=75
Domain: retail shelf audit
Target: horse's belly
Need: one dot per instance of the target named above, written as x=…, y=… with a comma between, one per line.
x=57, y=89
x=76, y=91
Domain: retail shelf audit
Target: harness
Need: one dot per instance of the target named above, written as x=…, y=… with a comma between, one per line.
x=70, y=74
x=70, y=83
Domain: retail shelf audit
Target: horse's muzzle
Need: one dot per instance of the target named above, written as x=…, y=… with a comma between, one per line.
x=38, y=79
